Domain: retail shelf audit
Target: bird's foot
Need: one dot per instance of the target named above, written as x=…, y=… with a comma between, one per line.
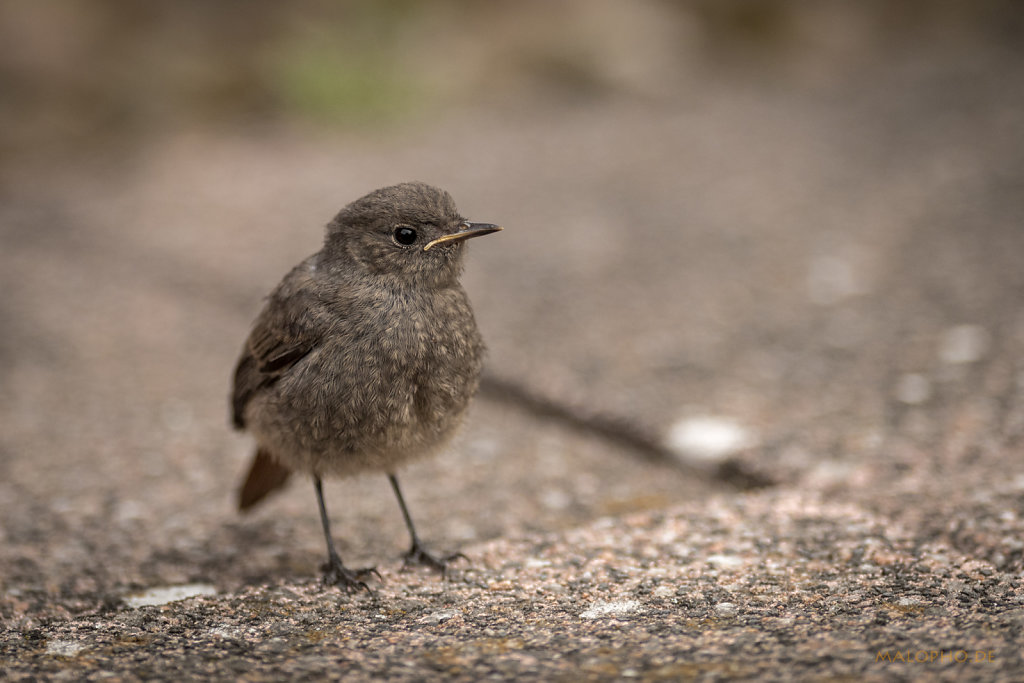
x=418, y=555
x=352, y=580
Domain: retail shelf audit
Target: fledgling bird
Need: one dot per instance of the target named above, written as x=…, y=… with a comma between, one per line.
x=365, y=356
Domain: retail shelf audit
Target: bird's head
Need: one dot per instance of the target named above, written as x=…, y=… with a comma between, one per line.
x=409, y=233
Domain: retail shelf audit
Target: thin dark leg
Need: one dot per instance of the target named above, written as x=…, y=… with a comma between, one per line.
x=335, y=573
x=417, y=553
x=405, y=511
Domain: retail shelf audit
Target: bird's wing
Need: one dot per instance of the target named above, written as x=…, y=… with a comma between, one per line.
x=292, y=324
x=286, y=331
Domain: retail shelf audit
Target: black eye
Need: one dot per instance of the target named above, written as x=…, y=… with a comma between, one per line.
x=405, y=235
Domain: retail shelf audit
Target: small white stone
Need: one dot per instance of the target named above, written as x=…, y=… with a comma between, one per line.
x=664, y=591
x=129, y=511
x=725, y=561
x=618, y=608
x=709, y=438
x=833, y=278
x=224, y=632
x=440, y=616
x=63, y=648
x=555, y=499
x=964, y=344
x=726, y=609
x=166, y=594
x=913, y=389
x=461, y=530
x=829, y=473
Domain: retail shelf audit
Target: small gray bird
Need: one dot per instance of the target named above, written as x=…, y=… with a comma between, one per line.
x=365, y=356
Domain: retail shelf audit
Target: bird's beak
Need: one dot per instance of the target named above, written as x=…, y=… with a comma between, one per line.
x=468, y=230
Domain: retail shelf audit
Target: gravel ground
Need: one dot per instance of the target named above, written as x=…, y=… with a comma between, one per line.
x=830, y=269
x=776, y=585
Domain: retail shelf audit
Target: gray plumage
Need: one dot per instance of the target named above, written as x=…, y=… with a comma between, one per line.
x=367, y=353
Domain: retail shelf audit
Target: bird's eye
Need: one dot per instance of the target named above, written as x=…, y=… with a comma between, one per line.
x=405, y=235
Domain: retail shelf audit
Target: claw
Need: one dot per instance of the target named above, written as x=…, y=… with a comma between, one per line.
x=352, y=580
x=418, y=555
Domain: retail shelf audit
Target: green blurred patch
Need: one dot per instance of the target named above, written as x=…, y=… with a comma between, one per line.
x=333, y=86
x=349, y=64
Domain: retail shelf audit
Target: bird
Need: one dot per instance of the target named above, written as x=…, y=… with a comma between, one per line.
x=364, y=357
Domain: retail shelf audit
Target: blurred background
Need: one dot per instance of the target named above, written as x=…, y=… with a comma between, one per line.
x=801, y=220
x=114, y=73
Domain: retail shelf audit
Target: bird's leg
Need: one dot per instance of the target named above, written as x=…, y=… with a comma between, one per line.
x=336, y=573
x=417, y=553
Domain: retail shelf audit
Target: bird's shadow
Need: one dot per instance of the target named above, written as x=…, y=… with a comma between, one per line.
x=241, y=552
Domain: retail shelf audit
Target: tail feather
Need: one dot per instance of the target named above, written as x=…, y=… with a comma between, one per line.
x=265, y=476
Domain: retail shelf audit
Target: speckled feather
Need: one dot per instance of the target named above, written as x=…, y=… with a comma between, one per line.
x=367, y=353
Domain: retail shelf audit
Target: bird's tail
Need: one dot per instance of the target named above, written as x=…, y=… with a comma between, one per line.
x=265, y=476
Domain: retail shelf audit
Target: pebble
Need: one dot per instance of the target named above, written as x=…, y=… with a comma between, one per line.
x=833, y=278
x=664, y=591
x=726, y=609
x=166, y=594
x=913, y=389
x=63, y=648
x=725, y=560
x=710, y=438
x=440, y=616
x=964, y=344
x=555, y=499
x=611, y=609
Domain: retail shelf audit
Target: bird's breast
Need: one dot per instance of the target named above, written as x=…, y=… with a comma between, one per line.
x=415, y=357
x=450, y=356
